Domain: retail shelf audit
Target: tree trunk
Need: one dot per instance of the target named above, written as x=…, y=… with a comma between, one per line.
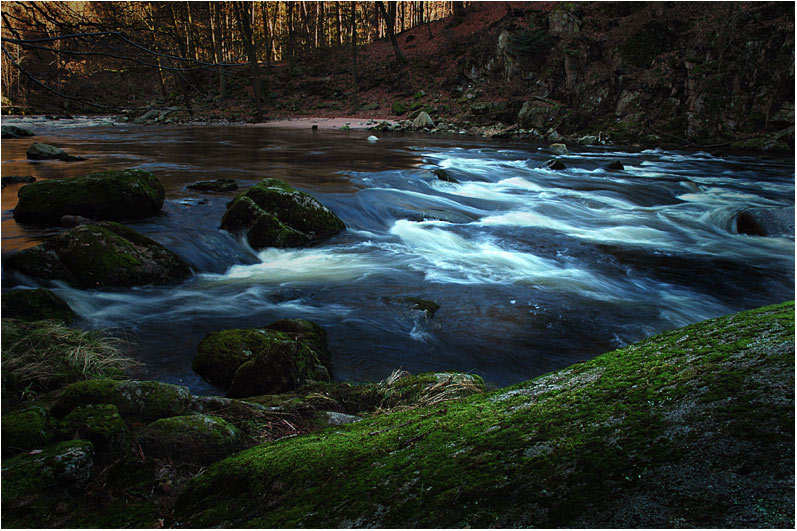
x=291, y=38
x=354, y=55
x=244, y=24
x=339, y=23
x=390, y=22
x=216, y=40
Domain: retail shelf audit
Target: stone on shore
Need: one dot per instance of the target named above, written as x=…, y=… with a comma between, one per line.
x=199, y=439
x=39, y=151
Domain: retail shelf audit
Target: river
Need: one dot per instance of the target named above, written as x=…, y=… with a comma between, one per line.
x=533, y=269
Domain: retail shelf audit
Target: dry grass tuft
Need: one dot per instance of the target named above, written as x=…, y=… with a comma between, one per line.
x=45, y=355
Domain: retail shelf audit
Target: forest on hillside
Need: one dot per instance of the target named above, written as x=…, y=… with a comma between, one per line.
x=96, y=53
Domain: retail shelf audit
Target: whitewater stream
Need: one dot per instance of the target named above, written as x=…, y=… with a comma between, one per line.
x=533, y=269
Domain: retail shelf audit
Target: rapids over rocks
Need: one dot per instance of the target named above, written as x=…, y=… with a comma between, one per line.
x=533, y=269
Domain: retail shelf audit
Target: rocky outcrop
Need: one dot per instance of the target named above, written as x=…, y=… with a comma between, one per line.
x=101, y=254
x=599, y=444
x=256, y=361
x=111, y=195
x=423, y=121
x=16, y=179
x=274, y=214
x=36, y=305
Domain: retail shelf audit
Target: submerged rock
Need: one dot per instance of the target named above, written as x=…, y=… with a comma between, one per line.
x=554, y=164
x=12, y=131
x=36, y=305
x=443, y=175
x=17, y=179
x=256, y=361
x=101, y=255
x=198, y=439
x=38, y=151
x=219, y=185
x=615, y=165
x=274, y=214
x=111, y=195
x=766, y=222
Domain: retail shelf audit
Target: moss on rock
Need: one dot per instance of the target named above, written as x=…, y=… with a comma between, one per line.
x=274, y=214
x=693, y=427
x=274, y=359
x=135, y=400
x=198, y=439
x=36, y=305
x=101, y=254
x=26, y=429
x=101, y=424
x=113, y=195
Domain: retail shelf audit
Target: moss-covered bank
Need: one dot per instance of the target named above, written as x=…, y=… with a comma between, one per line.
x=694, y=427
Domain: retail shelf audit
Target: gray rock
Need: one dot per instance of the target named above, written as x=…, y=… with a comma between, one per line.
x=423, y=121
x=554, y=164
x=778, y=222
x=340, y=419
x=559, y=149
x=12, y=131
x=147, y=116
x=38, y=151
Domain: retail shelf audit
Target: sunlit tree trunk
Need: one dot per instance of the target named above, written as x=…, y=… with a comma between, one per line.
x=353, y=6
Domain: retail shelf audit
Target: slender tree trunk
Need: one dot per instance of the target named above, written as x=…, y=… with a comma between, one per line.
x=354, y=56
x=339, y=23
x=390, y=22
x=291, y=38
x=216, y=40
x=244, y=24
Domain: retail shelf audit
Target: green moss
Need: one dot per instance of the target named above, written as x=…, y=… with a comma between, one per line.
x=36, y=305
x=398, y=108
x=633, y=438
x=220, y=353
x=199, y=439
x=107, y=195
x=101, y=424
x=26, y=429
x=277, y=215
x=101, y=254
x=135, y=400
x=274, y=359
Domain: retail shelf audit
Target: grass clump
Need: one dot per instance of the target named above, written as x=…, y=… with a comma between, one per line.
x=41, y=356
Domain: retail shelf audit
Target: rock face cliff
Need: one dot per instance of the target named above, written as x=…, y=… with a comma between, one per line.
x=694, y=427
x=687, y=74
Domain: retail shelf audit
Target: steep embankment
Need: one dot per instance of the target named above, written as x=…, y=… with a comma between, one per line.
x=694, y=427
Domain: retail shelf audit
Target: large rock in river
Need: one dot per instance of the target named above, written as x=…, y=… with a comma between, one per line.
x=256, y=361
x=274, y=214
x=36, y=305
x=101, y=254
x=778, y=222
x=113, y=195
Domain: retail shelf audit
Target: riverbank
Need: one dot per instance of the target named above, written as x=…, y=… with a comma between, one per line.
x=693, y=427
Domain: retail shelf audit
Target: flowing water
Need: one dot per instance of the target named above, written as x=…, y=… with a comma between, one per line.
x=533, y=269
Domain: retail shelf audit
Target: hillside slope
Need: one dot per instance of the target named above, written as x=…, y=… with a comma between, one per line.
x=691, y=428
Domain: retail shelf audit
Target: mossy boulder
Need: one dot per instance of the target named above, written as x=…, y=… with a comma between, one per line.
x=36, y=305
x=274, y=214
x=398, y=108
x=690, y=428
x=257, y=361
x=135, y=400
x=24, y=430
x=101, y=424
x=198, y=439
x=110, y=195
x=218, y=185
x=61, y=466
x=12, y=131
x=104, y=254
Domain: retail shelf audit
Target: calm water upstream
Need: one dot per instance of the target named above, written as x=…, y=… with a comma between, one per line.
x=533, y=269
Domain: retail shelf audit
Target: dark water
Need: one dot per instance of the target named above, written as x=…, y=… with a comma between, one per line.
x=533, y=269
